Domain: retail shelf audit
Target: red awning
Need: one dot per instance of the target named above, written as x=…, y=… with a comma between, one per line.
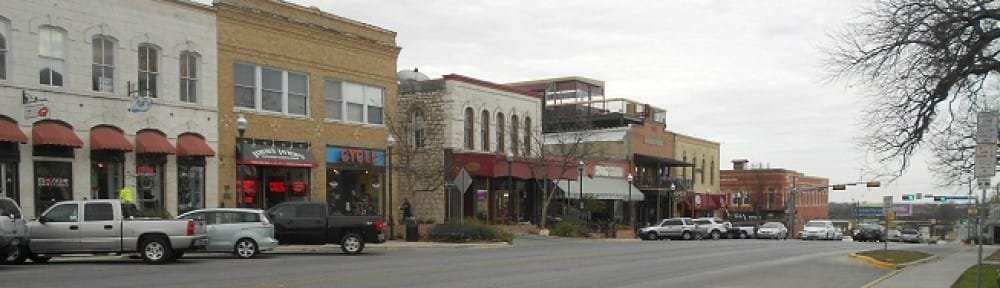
x=9, y=132
x=190, y=144
x=706, y=203
x=109, y=138
x=54, y=133
x=152, y=142
x=495, y=166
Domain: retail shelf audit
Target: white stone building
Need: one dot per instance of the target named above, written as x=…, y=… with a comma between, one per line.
x=76, y=80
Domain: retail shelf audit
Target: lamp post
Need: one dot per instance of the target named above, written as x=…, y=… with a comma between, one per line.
x=670, y=196
x=390, y=141
x=510, y=187
x=580, y=168
x=241, y=127
x=631, y=205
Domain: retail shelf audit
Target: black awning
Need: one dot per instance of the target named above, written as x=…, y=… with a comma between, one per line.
x=668, y=162
x=278, y=156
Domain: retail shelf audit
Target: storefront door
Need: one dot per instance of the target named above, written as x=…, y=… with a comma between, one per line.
x=8, y=181
x=107, y=171
x=149, y=176
x=53, y=183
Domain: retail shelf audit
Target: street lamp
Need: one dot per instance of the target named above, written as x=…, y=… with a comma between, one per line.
x=670, y=196
x=241, y=127
x=580, y=168
x=631, y=205
x=510, y=187
x=390, y=141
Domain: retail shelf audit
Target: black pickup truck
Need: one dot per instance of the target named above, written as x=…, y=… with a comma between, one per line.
x=312, y=224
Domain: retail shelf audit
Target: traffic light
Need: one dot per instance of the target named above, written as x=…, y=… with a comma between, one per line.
x=873, y=184
x=940, y=198
x=909, y=197
x=839, y=187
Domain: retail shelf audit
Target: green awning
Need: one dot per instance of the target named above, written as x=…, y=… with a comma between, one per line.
x=599, y=188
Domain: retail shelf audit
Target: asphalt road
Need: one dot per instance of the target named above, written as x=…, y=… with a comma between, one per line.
x=533, y=262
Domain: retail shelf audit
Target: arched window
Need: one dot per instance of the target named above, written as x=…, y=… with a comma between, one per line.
x=501, y=139
x=514, y=142
x=52, y=51
x=469, y=126
x=103, y=78
x=484, y=130
x=189, y=76
x=417, y=125
x=149, y=70
x=527, y=135
x=4, y=35
x=703, y=170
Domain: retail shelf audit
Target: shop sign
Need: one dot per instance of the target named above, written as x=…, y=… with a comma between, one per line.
x=36, y=111
x=145, y=171
x=53, y=182
x=277, y=186
x=299, y=187
x=354, y=156
x=482, y=194
x=278, y=156
x=608, y=171
x=249, y=186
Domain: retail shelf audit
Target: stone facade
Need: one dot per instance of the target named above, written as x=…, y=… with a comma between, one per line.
x=420, y=170
x=170, y=27
x=279, y=35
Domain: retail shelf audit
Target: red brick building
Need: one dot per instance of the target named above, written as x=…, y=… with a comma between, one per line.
x=762, y=194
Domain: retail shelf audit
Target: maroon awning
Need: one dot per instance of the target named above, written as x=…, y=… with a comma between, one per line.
x=109, y=138
x=54, y=133
x=10, y=132
x=191, y=144
x=151, y=141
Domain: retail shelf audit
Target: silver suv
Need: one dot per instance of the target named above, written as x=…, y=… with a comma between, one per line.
x=683, y=228
x=712, y=227
x=13, y=233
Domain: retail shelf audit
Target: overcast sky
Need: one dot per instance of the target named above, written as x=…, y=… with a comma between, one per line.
x=747, y=74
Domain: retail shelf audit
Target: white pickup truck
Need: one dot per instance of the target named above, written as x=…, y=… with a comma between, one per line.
x=110, y=226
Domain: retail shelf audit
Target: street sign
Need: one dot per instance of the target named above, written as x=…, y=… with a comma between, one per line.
x=986, y=160
x=868, y=212
x=902, y=210
x=463, y=180
x=986, y=127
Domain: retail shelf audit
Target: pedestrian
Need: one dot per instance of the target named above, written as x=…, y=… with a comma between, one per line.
x=126, y=195
x=405, y=209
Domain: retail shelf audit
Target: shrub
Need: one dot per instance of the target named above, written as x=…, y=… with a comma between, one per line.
x=468, y=230
x=571, y=228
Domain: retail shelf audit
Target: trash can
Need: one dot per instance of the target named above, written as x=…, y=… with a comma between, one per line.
x=412, y=233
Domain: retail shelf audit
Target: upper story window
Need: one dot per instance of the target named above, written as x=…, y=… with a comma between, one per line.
x=703, y=170
x=468, y=132
x=353, y=102
x=417, y=125
x=52, y=53
x=711, y=177
x=484, y=130
x=4, y=35
x=189, y=76
x=272, y=90
x=527, y=135
x=103, y=72
x=514, y=128
x=149, y=70
x=501, y=140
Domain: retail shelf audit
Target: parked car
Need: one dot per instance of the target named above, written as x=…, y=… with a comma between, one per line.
x=911, y=236
x=819, y=229
x=683, y=228
x=868, y=233
x=110, y=226
x=14, y=238
x=243, y=232
x=312, y=224
x=772, y=230
x=893, y=235
x=743, y=230
x=712, y=227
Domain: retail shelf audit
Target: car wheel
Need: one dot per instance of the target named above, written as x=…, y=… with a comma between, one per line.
x=744, y=235
x=156, y=251
x=716, y=235
x=698, y=236
x=39, y=259
x=686, y=235
x=352, y=244
x=651, y=236
x=245, y=248
x=17, y=256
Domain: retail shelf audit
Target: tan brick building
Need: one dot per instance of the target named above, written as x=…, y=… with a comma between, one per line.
x=701, y=195
x=315, y=89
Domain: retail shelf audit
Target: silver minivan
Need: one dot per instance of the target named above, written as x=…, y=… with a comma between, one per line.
x=243, y=232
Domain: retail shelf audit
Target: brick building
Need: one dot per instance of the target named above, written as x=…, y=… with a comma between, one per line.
x=762, y=194
x=701, y=196
x=314, y=88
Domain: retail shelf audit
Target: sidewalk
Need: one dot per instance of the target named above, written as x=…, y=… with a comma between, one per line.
x=390, y=245
x=938, y=273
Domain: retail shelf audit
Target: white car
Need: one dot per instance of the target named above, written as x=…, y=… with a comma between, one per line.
x=243, y=232
x=772, y=230
x=821, y=230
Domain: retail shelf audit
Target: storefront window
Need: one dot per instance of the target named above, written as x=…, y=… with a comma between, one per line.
x=354, y=192
x=8, y=181
x=53, y=183
x=149, y=182
x=284, y=184
x=107, y=170
x=190, y=184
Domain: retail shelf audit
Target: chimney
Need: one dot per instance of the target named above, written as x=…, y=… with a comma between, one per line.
x=740, y=164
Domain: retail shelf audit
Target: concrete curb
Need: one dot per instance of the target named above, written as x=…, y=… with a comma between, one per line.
x=880, y=279
x=896, y=268
x=390, y=246
x=872, y=261
x=921, y=261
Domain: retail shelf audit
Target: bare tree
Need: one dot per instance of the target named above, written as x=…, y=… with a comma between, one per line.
x=557, y=156
x=928, y=67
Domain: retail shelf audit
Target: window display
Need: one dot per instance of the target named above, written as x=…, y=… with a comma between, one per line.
x=53, y=183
